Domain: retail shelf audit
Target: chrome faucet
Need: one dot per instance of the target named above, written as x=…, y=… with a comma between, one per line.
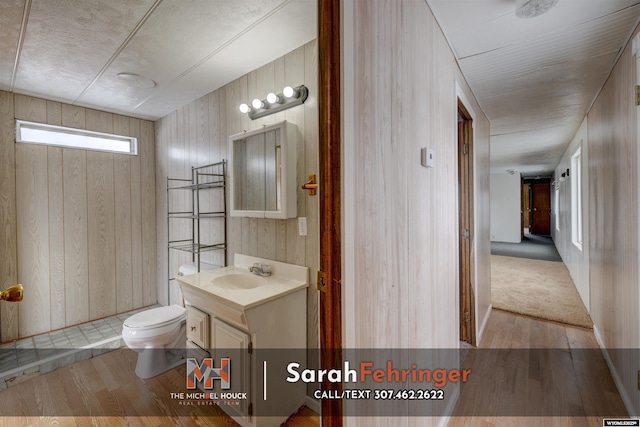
x=260, y=269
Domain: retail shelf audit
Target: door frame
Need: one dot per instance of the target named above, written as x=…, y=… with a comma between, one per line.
x=525, y=208
x=466, y=241
x=329, y=150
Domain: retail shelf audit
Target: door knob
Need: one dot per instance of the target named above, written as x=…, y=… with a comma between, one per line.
x=311, y=185
x=12, y=294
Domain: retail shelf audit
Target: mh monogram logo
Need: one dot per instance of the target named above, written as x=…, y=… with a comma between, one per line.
x=197, y=373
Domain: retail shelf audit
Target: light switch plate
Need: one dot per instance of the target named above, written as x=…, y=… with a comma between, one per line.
x=302, y=226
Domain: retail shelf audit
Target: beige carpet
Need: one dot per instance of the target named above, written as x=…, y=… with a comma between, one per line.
x=536, y=288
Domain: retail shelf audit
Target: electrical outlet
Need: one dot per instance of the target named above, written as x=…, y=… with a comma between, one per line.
x=302, y=226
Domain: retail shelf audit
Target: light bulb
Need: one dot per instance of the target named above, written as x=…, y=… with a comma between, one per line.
x=257, y=104
x=244, y=108
x=272, y=98
x=288, y=92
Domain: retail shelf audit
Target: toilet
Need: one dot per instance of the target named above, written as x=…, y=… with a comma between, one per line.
x=159, y=336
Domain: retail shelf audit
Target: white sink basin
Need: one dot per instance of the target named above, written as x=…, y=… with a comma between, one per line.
x=238, y=281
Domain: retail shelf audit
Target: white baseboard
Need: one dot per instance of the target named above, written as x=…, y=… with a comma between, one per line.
x=616, y=377
x=313, y=404
x=444, y=420
x=484, y=325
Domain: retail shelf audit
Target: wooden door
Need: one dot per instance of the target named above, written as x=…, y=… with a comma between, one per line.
x=541, y=215
x=465, y=216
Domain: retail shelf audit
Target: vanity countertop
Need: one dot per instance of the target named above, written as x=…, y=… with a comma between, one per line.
x=284, y=279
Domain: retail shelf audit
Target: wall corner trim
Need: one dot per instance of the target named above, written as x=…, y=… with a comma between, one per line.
x=635, y=45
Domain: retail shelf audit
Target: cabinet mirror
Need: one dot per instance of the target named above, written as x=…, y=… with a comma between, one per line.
x=262, y=168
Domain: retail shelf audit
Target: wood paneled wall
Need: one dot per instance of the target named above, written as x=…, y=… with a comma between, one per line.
x=400, y=218
x=613, y=222
x=577, y=260
x=198, y=134
x=78, y=226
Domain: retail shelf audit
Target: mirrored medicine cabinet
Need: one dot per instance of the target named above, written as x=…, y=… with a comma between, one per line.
x=262, y=171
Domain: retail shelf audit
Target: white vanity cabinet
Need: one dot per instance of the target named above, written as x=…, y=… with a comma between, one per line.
x=238, y=323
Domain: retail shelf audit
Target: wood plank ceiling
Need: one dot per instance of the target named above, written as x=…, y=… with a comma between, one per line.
x=73, y=50
x=535, y=78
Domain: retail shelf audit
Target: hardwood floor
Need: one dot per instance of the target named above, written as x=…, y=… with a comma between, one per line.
x=107, y=388
x=573, y=377
x=537, y=368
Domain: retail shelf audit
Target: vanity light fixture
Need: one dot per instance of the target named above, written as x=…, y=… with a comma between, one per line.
x=274, y=103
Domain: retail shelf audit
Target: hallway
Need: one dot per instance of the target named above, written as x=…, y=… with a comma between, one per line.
x=536, y=373
x=552, y=97
x=530, y=278
x=532, y=246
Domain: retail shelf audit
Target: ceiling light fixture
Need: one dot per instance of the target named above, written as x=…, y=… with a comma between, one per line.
x=531, y=8
x=136, y=80
x=274, y=103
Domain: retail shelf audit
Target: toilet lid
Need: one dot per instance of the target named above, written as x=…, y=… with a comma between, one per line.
x=155, y=317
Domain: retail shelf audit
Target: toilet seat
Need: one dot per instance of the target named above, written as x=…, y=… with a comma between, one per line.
x=156, y=317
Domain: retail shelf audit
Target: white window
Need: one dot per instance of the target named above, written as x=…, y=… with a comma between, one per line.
x=40, y=133
x=576, y=198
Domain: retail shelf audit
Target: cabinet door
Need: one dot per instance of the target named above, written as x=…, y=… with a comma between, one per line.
x=233, y=343
x=198, y=327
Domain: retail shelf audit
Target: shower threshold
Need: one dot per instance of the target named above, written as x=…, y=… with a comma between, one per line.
x=26, y=358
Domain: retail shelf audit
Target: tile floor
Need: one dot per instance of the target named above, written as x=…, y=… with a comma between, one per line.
x=25, y=358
